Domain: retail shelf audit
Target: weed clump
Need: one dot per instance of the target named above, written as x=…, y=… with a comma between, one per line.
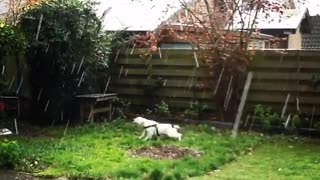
x=10, y=154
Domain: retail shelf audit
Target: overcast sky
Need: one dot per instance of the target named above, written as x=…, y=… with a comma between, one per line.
x=146, y=14
x=313, y=6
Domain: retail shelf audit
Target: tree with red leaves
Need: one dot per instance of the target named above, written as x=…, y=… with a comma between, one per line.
x=219, y=31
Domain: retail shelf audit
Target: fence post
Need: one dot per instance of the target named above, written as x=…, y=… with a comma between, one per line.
x=241, y=105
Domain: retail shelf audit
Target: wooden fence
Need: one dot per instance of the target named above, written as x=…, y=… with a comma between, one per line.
x=171, y=77
x=292, y=74
x=275, y=76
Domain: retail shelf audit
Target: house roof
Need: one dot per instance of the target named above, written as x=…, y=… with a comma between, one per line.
x=289, y=19
x=143, y=15
x=178, y=26
x=312, y=40
x=147, y=15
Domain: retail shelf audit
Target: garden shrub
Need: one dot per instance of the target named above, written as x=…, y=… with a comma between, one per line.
x=68, y=54
x=195, y=109
x=12, y=42
x=267, y=117
x=162, y=108
x=10, y=154
x=296, y=121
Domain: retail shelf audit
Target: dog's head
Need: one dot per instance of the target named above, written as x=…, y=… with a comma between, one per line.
x=139, y=120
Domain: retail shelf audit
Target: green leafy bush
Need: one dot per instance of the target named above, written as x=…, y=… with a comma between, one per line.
x=296, y=121
x=195, y=109
x=12, y=42
x=68, y=54
x=10, y=154
x=162, y=108
x=266, y=117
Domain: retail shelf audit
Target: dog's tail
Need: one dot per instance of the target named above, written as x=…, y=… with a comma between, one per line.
x=176, y=126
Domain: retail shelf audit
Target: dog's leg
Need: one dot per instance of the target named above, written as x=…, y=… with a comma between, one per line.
x=157, y=138
x=175, y=135
x=143, y=134
x=148, y=135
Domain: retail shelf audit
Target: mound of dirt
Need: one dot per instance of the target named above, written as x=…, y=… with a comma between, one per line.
x=164, y=152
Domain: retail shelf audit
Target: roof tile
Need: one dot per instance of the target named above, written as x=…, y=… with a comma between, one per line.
x=312, y=40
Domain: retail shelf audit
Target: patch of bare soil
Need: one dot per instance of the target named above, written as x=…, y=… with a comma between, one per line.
x=164, y=152
x=12, y=175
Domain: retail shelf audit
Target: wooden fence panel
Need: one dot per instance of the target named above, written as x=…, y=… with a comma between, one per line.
x=277, y=75
x=274, y=76
x=177, y=73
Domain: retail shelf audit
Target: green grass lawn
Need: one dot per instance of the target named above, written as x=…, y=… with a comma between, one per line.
x=279, y=160
x=101, y=151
